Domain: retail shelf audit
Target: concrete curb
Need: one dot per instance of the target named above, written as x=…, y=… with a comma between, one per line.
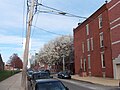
x=97, y=80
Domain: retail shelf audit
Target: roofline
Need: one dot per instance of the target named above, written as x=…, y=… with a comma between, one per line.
x=92, y=16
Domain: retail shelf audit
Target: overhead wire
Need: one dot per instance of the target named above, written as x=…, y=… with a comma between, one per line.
x=47, y=31
x=62, y=12
x=35, y=20
x=54, y=11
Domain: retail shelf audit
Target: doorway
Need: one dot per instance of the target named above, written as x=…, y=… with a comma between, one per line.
x=118, y=71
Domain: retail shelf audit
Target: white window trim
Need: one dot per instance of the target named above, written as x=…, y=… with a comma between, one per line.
x=88, y=44
x=87, y=29
x=115, y=26
x=100, y=21
x=83, y=47
x=89, y=62
x=102, y=53
x=84, y=64
x=115, y=20
x=114, y=5
x=101, y=38
x=116, y=42
x=81, y=63
x=92, y=47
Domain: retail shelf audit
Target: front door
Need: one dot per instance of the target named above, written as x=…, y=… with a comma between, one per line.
x=118, y=71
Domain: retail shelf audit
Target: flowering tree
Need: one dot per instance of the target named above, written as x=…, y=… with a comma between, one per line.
x=53, y=51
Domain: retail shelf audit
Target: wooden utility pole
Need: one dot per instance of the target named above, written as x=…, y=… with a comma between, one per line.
x=26, y=51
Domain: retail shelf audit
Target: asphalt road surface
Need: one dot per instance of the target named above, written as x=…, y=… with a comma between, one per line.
x=78, y=85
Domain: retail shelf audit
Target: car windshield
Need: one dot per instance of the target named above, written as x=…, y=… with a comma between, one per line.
x=65, y=72
x=50, y=86
x=41, y=76
x=30, y=73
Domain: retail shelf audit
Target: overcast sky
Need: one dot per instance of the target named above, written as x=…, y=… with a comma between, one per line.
x=12, y=23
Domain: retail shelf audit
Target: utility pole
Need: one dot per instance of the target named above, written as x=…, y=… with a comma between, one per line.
x=26, y=51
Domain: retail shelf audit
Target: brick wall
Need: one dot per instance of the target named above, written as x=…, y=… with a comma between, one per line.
x=95, y=54
x=114, y=17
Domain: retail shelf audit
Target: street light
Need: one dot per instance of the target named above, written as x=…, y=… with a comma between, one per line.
x=63, y=62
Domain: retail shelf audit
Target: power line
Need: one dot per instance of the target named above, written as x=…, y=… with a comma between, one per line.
x=47, y=31
x=54, y=11
x=35, y=20
x=59, y=12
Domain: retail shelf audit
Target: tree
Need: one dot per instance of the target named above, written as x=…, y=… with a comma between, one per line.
x=53, y=51
x=15, y=61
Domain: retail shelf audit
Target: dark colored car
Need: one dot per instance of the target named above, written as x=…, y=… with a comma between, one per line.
x=48, y=71
x=39, y=75
x=29, y=75
x=48, y=84
x=64, y=75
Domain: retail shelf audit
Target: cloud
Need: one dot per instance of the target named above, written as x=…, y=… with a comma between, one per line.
x=11, y=13
x=4, y=39
x=16, y=41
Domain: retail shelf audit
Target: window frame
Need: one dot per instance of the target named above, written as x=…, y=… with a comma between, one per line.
x=89, y=62
x=81, y=62
x=84, y=64
x=100, y=21
x=101, y=40
x=91, y=41
x=83, y=47
x=87, y=29
x=103, y=59
x=88, y=44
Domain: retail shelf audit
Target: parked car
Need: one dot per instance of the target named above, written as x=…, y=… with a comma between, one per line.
x=48, y=84
x=39, y=75
x=64, y=75
x=29, y=75
x=48, y=71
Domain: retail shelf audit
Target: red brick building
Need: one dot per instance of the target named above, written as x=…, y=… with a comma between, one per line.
x=93, y=43
x=1, y=63
x=114, y=18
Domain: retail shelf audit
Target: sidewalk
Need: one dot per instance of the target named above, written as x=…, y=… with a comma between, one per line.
x=12, y=83
x=97, y=80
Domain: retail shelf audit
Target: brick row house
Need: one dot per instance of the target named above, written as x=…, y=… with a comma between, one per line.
x=1, y=63
x=97, y=43
x=114, y=18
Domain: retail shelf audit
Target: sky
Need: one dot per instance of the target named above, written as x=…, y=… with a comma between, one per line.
x=13, y=23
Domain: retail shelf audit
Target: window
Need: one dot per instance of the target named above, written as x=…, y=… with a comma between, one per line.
x=91, y=43
x=88, y=44
x=84, y=64
x=83, y=48
x=89, y=62
x=81, y=63
x=100, y=21
x=103, y=59
x=101, y=40
x=87, y=29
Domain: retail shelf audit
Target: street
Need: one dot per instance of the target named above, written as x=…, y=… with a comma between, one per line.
x=78, y=85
